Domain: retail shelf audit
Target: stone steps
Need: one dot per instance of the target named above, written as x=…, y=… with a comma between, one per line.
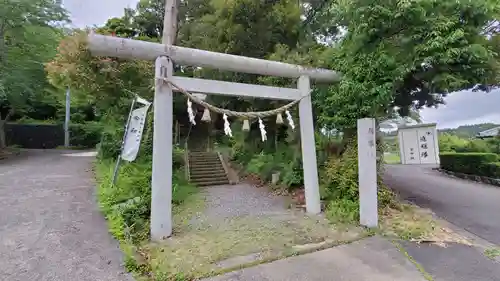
x=206, y=169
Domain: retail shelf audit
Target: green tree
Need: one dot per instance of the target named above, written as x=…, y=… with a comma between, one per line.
x=408, y=54
x=108, y=84
x=28, y=37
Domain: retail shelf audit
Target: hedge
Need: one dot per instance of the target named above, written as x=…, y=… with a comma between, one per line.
x=46, y=136
x=492, y=170
x=35, y=136
x=479, y=164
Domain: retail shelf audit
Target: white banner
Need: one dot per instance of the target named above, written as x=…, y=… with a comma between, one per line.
x=133, y=135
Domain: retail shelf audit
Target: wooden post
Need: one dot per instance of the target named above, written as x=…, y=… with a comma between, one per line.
x=161, y=182
x=367, y=173
x=309, y=164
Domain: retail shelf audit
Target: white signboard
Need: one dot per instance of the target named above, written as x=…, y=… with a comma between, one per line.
x=426, y=146
x=410, y=154
x=419, y=144
x=133, y=135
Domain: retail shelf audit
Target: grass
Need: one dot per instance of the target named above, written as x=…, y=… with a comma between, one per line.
x=409, y=222
x=392, y=158
x=126, y=207
x=492, y=253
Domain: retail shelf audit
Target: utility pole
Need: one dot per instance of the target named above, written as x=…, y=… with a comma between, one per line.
x=67, y=118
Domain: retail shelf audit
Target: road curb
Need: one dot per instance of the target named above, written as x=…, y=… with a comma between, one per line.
x=481, y=179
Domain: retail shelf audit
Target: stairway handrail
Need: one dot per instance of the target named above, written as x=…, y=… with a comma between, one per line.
x=186, y=153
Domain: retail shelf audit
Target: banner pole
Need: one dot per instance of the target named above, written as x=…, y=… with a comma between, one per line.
x=118, y=160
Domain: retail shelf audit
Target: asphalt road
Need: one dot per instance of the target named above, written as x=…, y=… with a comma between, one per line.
x=50, y=225
x=455, y=262
x=472, y=206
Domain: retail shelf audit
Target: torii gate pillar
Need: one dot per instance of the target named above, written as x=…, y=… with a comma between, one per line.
x=309, y=165
x=161, y=179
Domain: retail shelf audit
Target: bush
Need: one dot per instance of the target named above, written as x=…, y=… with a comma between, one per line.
x=343, y=211
x=340, y=186
x=452, y=143
x=262, y=165
x=110, y=144
x=285, y=161
x=340, y=180
x=127, y=205
x=86, y=135
x=492, y=170
x=481, y=146
x=469, y=163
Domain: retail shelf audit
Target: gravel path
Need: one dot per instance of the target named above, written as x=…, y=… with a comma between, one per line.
x=50, y=226
x=230, y=201
x=231, y=225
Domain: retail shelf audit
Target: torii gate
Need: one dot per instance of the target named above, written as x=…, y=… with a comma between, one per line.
x=164, y=54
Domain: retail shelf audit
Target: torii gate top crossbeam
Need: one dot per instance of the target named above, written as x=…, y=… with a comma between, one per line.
x=101, y=45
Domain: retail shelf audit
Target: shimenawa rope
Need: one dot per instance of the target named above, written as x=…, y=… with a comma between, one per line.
x=257, y=114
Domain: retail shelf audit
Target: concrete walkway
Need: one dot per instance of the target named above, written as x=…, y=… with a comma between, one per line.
x=50, y=226
x=374, y=259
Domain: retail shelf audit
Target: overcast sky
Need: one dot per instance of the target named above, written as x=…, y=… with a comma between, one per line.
x=90, y=12
x=462, y=107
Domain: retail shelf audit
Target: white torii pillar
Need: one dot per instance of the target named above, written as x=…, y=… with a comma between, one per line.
x=164, y=54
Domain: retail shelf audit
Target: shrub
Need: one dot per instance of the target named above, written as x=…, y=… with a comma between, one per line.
x=286, y=161
x=86, y=135
x=475, y=146
x=340, y=179
x=262, y=165
x=339, y=185
x=127, y=205
x=110, y=144
x=451, y=143
x=343, y=210
x=469, y=163
x=292, y=174
x=492, y=170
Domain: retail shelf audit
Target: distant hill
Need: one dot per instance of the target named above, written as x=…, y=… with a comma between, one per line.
x=469, y=131
x=465, y=131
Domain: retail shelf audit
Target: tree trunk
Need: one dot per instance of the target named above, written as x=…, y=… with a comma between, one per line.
x=3, y=141
x=3, y=46
x=349, y=135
